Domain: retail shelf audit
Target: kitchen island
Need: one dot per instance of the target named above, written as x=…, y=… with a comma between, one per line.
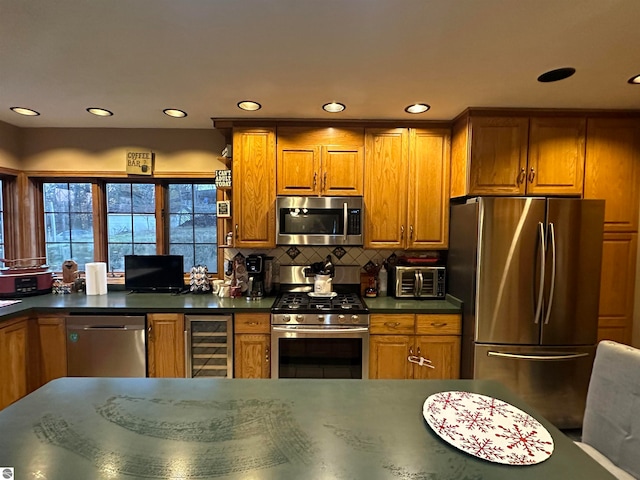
x=108, y=428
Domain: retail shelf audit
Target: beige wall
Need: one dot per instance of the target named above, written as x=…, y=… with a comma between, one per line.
x=103, y=150
x=10, y=146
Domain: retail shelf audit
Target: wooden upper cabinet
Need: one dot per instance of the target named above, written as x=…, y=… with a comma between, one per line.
x=407, y=188
x=498, y=155
x=518, y=155
x=612, y=170
x=556, y=156
x=385, y=187
x=254, y=187
x=428, y=199
x=320, y=161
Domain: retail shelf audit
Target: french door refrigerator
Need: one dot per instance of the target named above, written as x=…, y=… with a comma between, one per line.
x=528, y=273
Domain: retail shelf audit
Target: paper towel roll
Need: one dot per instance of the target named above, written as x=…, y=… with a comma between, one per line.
x=96, y=277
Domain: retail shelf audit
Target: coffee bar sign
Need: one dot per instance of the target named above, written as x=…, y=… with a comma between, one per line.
x=140, y=162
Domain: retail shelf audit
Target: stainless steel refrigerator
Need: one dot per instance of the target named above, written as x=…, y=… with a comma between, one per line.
x=528, y=273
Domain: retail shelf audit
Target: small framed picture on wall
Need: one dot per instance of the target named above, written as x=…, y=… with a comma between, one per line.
x=223, y=209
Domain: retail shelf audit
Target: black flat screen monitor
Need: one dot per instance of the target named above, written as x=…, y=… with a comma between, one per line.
x=154, y=273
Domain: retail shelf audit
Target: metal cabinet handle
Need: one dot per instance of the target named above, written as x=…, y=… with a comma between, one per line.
x=440, y=324
x=532, y=175
x=522, y=176
x=411, y=350
x=237, y=234
x=315, y=177
x=149, y=332
x=324, y=183
x=392, y=324
x=251, y=323
x=401, y=232
x=410, y=232
x=267, y=354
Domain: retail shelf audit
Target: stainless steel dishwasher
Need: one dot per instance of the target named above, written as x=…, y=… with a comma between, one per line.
x=106, y=346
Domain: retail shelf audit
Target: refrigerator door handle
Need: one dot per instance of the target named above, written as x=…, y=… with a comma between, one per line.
x=552, y=233
x=543, y=358
x=543, y=249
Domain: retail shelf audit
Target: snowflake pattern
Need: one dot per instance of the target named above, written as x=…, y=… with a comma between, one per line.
x=475, y=420
x=488, y=428
x=482, y=447
x=527, y=440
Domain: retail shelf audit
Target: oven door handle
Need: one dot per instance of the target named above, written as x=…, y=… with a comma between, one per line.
x=320, y=330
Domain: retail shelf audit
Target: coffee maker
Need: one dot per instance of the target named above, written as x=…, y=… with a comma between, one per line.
x=255, y=269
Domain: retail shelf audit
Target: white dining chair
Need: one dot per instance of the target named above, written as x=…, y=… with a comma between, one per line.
x=611, y=427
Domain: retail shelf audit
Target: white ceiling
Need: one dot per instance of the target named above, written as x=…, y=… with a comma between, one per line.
x=138, y=57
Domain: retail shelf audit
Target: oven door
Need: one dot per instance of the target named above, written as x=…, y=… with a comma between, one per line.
x=319, y=351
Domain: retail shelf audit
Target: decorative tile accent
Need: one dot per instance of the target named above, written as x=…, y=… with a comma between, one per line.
x=339, y=252
x=293, y=252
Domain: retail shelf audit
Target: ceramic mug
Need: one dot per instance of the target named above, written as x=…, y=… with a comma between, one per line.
x=215, y=286
x=224, y=290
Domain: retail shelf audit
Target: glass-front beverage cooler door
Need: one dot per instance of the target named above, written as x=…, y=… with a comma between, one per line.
x=209, y=346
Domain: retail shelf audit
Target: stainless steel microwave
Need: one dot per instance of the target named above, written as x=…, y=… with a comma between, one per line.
x=417, y=282
x=319, y=220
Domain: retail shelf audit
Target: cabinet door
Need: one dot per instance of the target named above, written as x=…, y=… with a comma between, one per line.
x=298, y=170
x=428, y=199
x=53, y=348
x=498, y=155
x=254, y=187
x=342, y=171
x=556, y=156
x=388, y=356
x=385, y=192
x=612, y=170
x=14, y=339
x=165, y=344
x=444, y=353
x=252, y=357
x=617, y=286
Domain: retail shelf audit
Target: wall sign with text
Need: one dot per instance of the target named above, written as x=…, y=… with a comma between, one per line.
x=140, y=162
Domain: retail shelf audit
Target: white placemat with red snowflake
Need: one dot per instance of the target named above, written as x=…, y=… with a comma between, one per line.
x=488, y=428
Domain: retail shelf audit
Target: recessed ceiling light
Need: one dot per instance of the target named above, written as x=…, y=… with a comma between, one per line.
x=25, y=111
x=417, y=108
x=635, y=80
x=100, y=112
x=333, y=107
x=174, y=112
x=249, y=106
x=557, y=74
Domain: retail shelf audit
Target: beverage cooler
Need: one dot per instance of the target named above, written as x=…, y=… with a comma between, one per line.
x=208, y=346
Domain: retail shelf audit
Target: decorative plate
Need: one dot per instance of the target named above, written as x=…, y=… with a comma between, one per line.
x=488, y=428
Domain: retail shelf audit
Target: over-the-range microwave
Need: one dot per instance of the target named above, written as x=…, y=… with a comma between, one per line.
x=319, y=220
x=417, y=282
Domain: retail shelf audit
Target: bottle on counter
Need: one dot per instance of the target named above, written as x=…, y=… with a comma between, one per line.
x=382, y=281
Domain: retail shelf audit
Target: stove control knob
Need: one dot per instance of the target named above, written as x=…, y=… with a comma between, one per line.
x=355, y=318
x=286, y=318
x=341, y=318
x=300, y=318
x=321, y=318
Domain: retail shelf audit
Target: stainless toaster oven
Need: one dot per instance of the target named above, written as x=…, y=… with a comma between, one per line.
x=417, y=282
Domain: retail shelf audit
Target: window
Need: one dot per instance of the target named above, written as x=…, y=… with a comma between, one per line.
x=131, y=221
x=192, y=223
x=135, y=219
x=68, y=220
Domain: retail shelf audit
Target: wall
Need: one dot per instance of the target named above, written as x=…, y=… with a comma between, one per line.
x=103, y=150
x=10, y=145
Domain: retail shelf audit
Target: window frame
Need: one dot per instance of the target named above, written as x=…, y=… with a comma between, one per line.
x=99, y=198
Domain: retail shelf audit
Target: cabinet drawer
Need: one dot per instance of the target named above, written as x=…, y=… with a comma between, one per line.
x=438, y=324
x=252, y=323
x=392, y=324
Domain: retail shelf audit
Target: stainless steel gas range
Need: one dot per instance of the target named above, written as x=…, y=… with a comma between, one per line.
x=319, y=336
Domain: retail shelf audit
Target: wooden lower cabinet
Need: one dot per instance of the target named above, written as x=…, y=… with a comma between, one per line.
x=165, y=345
x=14, y=360
x=252, y=345
x=389, y=352
x=53, y=347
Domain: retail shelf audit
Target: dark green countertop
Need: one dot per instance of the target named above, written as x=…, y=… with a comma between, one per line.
x=125, y=302
x=124, y=429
